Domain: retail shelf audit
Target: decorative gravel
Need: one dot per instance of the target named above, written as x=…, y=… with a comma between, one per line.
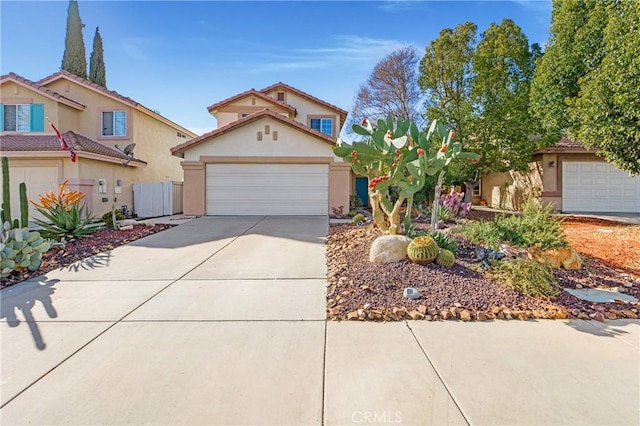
x=361, y=290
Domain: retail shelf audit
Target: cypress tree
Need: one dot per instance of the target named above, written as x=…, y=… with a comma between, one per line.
x=97, y=70
x=75, y=58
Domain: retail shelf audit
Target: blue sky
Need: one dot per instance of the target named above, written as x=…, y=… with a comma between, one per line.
x=179, y=57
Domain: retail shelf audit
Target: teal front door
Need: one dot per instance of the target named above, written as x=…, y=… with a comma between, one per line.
x=362, y=192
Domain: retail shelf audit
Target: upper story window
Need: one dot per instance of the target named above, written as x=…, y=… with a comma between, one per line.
x=324, y=125
x=22, y=117
x=114, y=123
x=280, y=96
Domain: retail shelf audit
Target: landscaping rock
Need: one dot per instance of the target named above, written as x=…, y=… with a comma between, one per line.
x=415, y=315
x=127, y=222
x=573, y=262
x=481, y=316
x=352, y=316
x=126, y=227
x=411, y=293
x=389, y=249
x=465, y=315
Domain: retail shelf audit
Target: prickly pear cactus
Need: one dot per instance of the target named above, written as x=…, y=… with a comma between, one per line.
x=423, y=249
x=20, y=249
x=445, y=258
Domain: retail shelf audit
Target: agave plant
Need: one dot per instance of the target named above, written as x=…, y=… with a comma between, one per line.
x=66, y=217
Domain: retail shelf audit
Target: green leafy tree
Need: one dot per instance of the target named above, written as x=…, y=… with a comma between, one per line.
x=74, y=59
x=606, y=114
x=573, y=50
x=97, y=70
x=502, y=126
x=446, y=73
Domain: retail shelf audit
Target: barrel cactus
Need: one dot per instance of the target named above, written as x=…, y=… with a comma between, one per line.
x=21, y=249
x=423, y=249
x=359, y=219
x=445, y=258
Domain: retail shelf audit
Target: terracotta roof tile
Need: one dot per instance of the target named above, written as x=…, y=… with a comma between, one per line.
x=15, y=77
x=282, y=85
x=565, y=142
x=127, y=100
x=179, y=149
x=251, y=92
x=20, y=142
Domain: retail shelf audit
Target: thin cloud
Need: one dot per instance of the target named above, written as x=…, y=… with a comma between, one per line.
x=398, y=5
x=347, y=50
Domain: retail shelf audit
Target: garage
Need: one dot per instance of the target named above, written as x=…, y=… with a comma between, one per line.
x=39, y=179
x=267, y=189
x=598, y=187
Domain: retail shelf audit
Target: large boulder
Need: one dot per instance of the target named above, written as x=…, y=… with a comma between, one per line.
x=389, y=249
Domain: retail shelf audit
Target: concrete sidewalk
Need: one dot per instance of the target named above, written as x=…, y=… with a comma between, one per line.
x=222, y=321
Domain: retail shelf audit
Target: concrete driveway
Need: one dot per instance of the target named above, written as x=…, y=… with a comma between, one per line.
x=222, y=321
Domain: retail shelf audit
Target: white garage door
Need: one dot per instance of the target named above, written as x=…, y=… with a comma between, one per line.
x=39, y=179
x=267, y=189
x=598, y=187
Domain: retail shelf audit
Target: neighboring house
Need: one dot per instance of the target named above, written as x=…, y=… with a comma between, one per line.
x=571, y=178
x=93, y=120
x=270, y=155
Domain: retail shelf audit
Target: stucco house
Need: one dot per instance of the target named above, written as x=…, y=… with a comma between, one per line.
x=271, y=154
x=93, y=120
x=571, y=178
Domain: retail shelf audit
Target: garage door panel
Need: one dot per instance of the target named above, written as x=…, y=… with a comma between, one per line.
x=39, y=179
x=598, y=187
x=267, y=189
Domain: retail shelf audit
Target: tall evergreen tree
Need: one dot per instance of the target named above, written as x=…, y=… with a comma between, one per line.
x=75, y=58
x=97, y=70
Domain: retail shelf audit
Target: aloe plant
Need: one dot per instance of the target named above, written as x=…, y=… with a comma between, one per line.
x=397, y=153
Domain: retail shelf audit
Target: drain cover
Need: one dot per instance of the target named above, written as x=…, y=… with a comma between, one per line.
x=599, y=295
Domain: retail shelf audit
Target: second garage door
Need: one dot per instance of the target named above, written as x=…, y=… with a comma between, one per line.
x=598, y=187
x=267, y=189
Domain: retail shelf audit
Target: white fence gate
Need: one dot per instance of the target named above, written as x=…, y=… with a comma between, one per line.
x=155, y=199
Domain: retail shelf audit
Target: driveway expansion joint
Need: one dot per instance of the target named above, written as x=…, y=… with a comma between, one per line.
x=435, y=369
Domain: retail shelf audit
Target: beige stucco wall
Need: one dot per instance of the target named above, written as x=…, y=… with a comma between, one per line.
x=90, y=171
x=305, y=108
x=514, y=186
x=12, y=93
x=89, y=123
x=244, y=141
x=154, y=141
x=224, y=118
x=194, y=188
x=242, y=145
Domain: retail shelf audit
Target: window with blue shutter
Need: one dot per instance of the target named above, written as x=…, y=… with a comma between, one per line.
x=22, y=117
x=37, y=117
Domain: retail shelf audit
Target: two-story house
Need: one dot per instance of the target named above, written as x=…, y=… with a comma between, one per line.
x=93, y=120
x=271, y=154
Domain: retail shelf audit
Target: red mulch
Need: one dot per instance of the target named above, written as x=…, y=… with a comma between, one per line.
x=100, y=241
x=614, y=244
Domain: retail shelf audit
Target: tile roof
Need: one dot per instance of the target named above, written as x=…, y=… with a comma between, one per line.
x=45, y=90
x=251, y=92
x=281, y=85
x=112, y=93
x=565, y=145
x=179, y=149
x=565, y=142
x=88, y=83
x=21, y=143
